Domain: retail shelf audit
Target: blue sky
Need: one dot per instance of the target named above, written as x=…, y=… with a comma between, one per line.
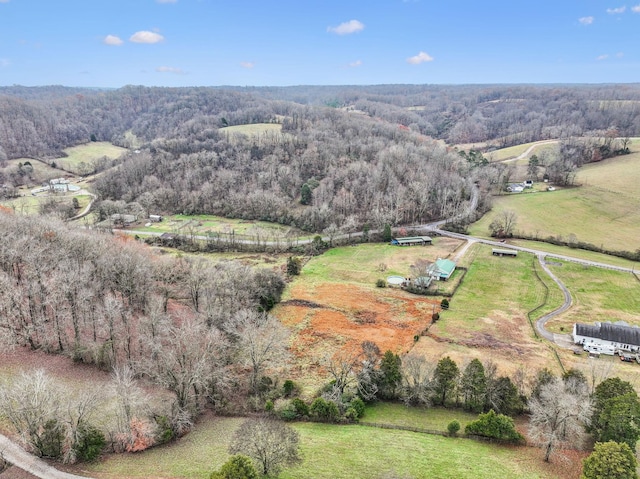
x=111, y=43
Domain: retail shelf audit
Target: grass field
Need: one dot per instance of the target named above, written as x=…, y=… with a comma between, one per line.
x=397, y=414
x=577, y=253
x=206, y=224
x=336, y=452
x=514, y=151
x=598, y=295
x=260, y=131
x=487, y=317
x=602, y=211
x=80, y=158
x=30, y=205
x=589, y=214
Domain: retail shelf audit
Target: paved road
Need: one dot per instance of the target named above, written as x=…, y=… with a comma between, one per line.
x=20, y=458
x=540, y=323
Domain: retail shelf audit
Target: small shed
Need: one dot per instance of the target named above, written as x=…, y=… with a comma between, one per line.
x=504, y=252
x=155, y=218
x=412, y=241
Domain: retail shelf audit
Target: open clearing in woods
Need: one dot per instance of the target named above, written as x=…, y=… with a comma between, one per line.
x=80, y=159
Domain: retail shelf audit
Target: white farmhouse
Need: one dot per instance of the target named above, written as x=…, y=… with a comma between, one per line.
x=607, y=338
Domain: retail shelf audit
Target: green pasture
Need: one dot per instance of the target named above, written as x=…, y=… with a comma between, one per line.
x=397, y=414
x=598, y=295
x=365, y=263
x=516, y=150
x=79, y=158
x=30, y=205
x=493, y=283
x=576, y=253
x=333, y=452
x=208, y=224
x=586, y=214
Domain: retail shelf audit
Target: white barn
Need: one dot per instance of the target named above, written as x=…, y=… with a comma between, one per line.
x=607, y=338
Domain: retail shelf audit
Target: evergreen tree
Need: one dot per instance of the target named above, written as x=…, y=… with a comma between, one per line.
x=610, y=460
x=445, y=380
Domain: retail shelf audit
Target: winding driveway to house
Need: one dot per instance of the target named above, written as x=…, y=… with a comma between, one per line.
x=16, y=455
x=540, y=323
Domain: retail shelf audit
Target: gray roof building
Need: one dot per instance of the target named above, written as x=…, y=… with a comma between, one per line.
x=613, y=332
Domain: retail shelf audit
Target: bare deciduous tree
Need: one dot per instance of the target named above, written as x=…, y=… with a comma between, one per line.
x=184, y=359
x=271, y=444
x=559, y=414
x=416, y=380
x=260, y=339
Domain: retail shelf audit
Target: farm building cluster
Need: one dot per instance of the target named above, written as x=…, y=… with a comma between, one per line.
x=440, y=270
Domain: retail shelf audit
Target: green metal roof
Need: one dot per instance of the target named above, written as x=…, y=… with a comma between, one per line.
x=445, y=266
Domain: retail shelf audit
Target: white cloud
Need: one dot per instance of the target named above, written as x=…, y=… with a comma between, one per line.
x=586, y=20
x=636, y=9
x=602, y=57
x=146, y=36
x=4, y=62
x=165, y=69
x=617, y=10
x=420, y=58
x=112, y=40
x=355, y=64
x=352, y=26
x=247, y=64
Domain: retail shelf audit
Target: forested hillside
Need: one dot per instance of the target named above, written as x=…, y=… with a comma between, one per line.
x=345, y=156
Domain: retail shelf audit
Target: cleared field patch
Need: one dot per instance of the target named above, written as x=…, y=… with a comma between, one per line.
x=339, y=452
x=334, y=304
x=270, y=132
x=517, y=150
x=487, y=318
x=30, y=205
x=80, y=159
x=574, y=252
x=205, y=225
x=34, y=174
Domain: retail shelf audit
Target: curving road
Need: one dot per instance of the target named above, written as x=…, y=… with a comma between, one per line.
x=20, y=458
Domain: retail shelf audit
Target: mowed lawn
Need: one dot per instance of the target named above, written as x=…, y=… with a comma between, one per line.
x=334, y=452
